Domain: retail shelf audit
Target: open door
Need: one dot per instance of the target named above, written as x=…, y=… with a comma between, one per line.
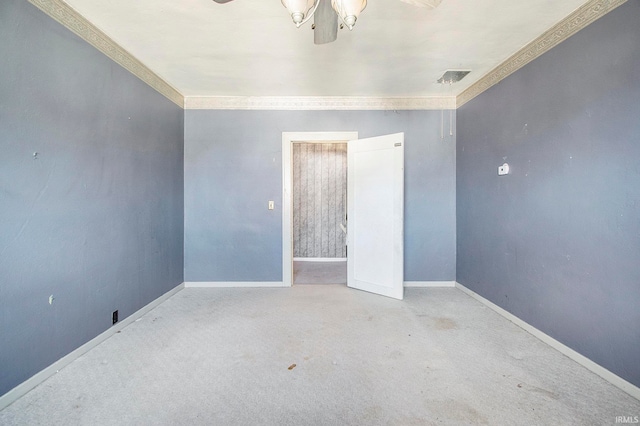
x=375, y=194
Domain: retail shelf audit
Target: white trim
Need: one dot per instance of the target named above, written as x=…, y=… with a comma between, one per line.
x=612, y=378
x=287, y=212
x=78, y=24
x=24, y=387
x=233, y=284
x=320, y=259
x=429, y=284
x=319, y=103
x=579, y=19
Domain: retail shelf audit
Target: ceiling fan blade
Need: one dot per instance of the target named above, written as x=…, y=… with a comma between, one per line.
x=325, y=21
x=222, y=1
x=424, y=3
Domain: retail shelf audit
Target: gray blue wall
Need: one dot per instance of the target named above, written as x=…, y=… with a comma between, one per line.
x=96, y=220
x=557, y=242
x=233, y=166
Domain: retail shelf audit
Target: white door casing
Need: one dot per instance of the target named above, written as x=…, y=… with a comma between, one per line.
x=375, y=170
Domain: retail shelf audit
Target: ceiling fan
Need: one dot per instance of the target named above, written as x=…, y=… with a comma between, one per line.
x=326, y=14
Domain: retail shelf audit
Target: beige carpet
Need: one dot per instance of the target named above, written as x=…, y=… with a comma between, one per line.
x=321, y=355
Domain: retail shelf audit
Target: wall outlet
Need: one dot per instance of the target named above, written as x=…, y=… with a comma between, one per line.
x=503, y=170
x=114, y=317
x=271, y=205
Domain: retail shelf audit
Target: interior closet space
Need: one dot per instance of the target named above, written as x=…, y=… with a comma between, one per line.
x=319, y=212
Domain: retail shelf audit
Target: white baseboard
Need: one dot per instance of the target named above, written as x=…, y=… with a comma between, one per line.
x=241, y=284
x=24, y=387
x=429, y=284
x=612, y=378
x=233, y=284
x=319, y=259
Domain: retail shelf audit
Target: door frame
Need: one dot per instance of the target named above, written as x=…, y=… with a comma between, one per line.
x=288, y=139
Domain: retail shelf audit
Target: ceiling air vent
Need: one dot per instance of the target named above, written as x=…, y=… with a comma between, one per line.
x=453, y=76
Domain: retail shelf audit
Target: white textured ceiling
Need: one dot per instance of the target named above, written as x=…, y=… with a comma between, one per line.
x=251, y=47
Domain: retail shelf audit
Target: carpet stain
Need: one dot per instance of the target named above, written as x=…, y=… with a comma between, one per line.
x=535, y=389
x=414, y=421
x=516, y=355
x=445, y=324
x=249, y=357
x=291, y=367
x=457, y=412
x=396, y=355
x=373, y=414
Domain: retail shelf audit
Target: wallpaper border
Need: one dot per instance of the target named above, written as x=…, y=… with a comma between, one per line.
x=78, y=24
x=581, y=18
x=74, y=21
x=334, y=103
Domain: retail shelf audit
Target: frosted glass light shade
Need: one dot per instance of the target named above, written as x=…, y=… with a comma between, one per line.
x=299, y=9
x=348, y=10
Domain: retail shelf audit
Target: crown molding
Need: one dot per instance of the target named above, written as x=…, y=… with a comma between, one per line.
x=320, y=103
x=71, y=19
x=579, y=19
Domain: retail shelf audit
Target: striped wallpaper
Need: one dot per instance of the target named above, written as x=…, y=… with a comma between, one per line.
x=319, y=199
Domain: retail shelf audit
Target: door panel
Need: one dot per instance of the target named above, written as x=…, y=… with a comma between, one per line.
x=375, y=214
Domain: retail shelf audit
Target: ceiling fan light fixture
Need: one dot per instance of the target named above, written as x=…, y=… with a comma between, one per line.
x=300, y=10
x=349, y=10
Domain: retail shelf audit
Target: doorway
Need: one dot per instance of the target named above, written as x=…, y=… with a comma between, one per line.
x=310, y=260
x=375, y=194
x=319, y=208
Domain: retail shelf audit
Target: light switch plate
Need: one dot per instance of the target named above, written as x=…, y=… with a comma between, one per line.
x=271, y=205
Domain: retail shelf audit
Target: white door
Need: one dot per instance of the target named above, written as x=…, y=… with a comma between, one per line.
x=375, y=194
